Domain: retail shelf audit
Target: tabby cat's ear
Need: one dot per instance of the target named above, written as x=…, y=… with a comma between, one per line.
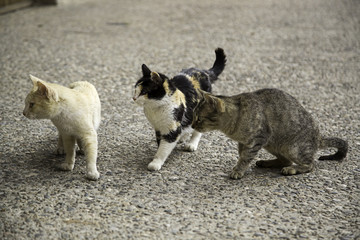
x=155, y=77
x=216, y=102
x=220, y=105
x=145, y=70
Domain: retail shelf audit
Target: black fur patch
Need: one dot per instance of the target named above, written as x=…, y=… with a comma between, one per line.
x=149, y=87
x=202, y=76
x=172, y=135
x=179, y=112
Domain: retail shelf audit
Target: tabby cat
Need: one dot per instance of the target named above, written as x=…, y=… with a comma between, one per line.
x=269, y=119
x=76, y=113
x=168, y=104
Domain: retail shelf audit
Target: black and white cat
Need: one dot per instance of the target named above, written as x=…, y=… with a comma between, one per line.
x=169, y=103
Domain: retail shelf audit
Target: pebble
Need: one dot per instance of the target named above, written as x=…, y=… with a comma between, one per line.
x=191, y=197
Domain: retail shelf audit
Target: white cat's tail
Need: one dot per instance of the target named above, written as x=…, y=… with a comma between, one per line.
x=334, y=142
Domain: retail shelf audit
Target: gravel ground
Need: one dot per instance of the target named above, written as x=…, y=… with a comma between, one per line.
x=309, y=48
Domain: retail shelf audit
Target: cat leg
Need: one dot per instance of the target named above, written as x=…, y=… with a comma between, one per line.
x=297, y=169
x=246, y=155
x=303, y=159
x=80, y=149
x=183, y=138
x=194, y=142
x=161, y=155
x=60, y=146
x=69, y=147
x=90, y=146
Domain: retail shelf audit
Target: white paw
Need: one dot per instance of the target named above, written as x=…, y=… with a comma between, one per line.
x=93, y=175
x=65, y=166
x=190, y=147
x=154, y=166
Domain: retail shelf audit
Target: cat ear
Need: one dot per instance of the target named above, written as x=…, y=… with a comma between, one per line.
x=145, y=70
x=34, y=80
x=217, y=103
x=47, y=91
x=155, y=77
x=220, y=105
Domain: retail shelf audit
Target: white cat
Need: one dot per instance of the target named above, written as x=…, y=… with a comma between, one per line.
x=76, y=113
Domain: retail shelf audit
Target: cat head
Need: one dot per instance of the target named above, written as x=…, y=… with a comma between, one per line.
x=207, y=111
x=42, y=101
x=149, y=86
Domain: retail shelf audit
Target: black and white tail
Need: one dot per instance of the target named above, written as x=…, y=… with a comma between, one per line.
x=219, y=64
x=341, y=145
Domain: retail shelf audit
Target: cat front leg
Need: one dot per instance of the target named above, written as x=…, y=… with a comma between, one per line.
x=192, y=145
x=246, y=155
x=90, y=145
x=69, y=147
x=161, y=155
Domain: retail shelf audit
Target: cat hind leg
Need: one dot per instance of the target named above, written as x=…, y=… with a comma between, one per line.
x=80, y=148
x=69, y=147
x=297, y=169
x=303, y=159
x=60, y=146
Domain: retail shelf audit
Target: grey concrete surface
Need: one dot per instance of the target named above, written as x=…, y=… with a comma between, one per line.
x=309, y=48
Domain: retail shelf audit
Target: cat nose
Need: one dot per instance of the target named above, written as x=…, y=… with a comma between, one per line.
x=134, y=98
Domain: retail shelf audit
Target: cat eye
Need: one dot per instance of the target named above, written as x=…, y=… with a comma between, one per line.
x=31, y=105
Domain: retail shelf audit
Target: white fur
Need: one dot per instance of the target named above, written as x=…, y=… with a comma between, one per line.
x=76, y=113
x=160, y=115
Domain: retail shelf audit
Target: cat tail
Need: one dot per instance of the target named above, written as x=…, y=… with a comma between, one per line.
x=218, y=66
x=334, y=142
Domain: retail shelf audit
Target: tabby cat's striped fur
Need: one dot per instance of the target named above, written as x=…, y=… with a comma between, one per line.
x=270, y=119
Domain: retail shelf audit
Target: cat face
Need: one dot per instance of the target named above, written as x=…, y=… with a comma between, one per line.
x=42, y=101
x=150, y=86
x=206, y=112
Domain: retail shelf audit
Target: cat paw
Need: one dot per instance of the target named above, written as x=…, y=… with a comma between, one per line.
x=154, y=166
x=93, y=175
x=236, y=175
x=65, y=166
x=288, y=171
x=190, y=147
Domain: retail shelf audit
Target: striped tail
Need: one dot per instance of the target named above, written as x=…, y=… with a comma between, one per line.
x=341, y=145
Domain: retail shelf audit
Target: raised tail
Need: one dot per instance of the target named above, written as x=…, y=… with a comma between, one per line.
x=341, y=145
x=219, y=64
